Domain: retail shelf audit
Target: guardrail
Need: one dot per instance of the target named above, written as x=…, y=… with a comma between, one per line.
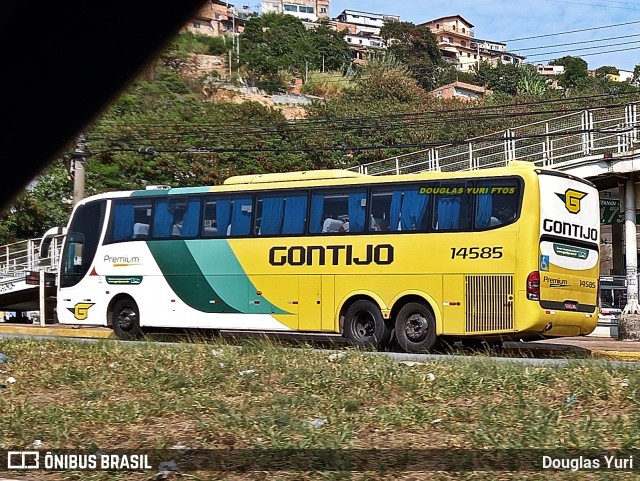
x=547, y=143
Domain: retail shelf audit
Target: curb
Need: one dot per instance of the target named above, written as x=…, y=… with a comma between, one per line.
x=94, y=333
x=617, y=354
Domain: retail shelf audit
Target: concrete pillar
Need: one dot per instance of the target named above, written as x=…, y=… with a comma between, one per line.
x=629, y=323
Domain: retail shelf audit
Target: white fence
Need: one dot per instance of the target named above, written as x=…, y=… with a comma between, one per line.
x=546, y=143
x=20, y=258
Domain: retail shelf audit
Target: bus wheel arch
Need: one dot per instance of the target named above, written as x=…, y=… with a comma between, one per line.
x=363, y=325
x=415, y=326
x=123, y=315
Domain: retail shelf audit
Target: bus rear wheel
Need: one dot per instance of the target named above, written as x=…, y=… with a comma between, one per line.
x=126, y=320
x=415, y=328
x=365, y=327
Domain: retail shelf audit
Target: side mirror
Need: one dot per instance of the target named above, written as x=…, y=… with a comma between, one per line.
x=47, y=238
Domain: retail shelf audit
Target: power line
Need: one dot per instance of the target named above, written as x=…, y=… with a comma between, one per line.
x=591, y=54
x=594, y=4
x=412, y=119
x=570, y=31
x=356, y=148
x=256, y=135
x=359, y=124
x=584, y=48
x=579, y=43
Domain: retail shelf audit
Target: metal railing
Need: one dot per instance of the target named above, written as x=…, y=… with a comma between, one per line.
x=19, y=258
x=557, y=142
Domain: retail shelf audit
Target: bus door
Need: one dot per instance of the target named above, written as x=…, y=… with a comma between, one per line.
x=310, y=303
x=297, y=299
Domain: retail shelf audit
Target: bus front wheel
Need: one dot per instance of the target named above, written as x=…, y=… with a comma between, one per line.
x=365, y=327
x=415, y=328
x=126, y=320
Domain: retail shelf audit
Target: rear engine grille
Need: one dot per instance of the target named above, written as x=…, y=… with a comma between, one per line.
x=489, y=303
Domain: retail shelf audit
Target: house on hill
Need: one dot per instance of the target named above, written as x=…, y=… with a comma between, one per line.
x=217, y=18
x=458, y=45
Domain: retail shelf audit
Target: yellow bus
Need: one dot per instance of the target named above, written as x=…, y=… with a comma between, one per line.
x=510, y=252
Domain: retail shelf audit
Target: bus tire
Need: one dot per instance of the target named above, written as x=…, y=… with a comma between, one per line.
x=365, y=327
x=126, y=320
x=415, y=328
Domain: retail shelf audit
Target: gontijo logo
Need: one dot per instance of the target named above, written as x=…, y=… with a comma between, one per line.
x=571, y=199
x=80, y=310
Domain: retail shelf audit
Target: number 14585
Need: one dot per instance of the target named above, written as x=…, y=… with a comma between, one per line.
x=476, y=252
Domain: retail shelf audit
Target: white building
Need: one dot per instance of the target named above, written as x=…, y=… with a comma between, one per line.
x=306, y=10
x=365, y=21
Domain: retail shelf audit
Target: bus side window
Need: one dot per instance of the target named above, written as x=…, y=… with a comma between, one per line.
x=128, y=220
x=281, y=214
x=338, y=211
x=452, y=210
x=209, y=219
x=227, y=216
x=176, y=218
x=496, y=203
x=241, y=210
x=403, y=208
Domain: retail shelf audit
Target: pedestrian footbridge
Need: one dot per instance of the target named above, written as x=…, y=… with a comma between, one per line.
x=27, y=282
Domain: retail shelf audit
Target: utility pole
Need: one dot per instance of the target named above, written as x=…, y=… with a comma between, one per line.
x=76, y=169
x=236, y=40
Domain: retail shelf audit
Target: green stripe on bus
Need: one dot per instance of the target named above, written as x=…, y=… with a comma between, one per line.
x=224, y=288
x=184, y=276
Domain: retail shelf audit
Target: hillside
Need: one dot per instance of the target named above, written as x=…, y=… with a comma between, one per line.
x=200, y=65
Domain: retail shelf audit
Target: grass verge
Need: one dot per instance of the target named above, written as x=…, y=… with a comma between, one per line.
x=261, y=398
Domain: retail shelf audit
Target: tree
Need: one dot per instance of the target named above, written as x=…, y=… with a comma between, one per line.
x=45, y=203
x=503, y=77
x=636, y=75
x=331, y=50
x=274, y=42
x=602, y=72
x=416, y=47
x=531, y=82
x=576, y=72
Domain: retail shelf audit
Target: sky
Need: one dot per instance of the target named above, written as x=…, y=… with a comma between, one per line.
x=608, y=25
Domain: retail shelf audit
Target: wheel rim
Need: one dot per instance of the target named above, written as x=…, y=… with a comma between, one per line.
x=417, y=327
x=127, y=319
x=364, y=326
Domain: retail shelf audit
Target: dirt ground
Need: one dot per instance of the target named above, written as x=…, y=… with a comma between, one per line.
x=203, y=64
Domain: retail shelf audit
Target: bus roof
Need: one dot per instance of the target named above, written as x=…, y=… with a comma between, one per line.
x=332, y=178
x=293, y=176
